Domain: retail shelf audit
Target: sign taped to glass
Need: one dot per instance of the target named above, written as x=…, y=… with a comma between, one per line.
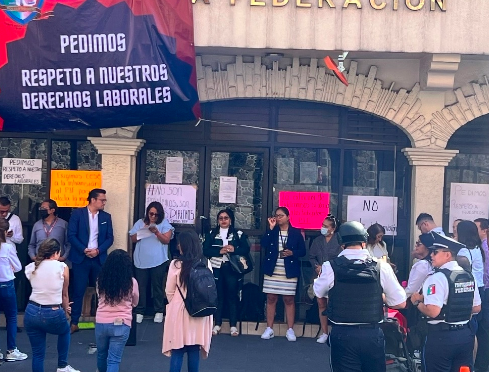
x=96, y=64
x=307, y=209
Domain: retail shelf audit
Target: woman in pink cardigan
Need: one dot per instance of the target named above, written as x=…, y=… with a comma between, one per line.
x=183, y=333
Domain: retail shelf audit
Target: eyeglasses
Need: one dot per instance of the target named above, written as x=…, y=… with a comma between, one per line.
x=43, y=209
x=223, y=218
x=102, y=200
x=279, y=215
x=151, y=214
x=436, y=251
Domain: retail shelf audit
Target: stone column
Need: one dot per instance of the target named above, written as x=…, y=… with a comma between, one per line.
x=427, y=183
x=119, y=148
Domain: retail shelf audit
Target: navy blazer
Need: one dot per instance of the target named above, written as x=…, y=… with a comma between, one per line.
x=295, y=243
x=79, y=234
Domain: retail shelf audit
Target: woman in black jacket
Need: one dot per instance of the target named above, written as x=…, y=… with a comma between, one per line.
x=283, y=246
x=224, y=239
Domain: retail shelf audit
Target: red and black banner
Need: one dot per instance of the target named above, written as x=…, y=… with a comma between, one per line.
x=80, y=64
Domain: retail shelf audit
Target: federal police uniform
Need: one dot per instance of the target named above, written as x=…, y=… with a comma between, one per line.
x=355, y=282
x=450, y=343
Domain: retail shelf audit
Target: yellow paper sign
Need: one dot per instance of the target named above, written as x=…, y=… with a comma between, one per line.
x=70, y=188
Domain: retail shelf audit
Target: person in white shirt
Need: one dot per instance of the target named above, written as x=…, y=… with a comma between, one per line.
x=449, y=299
x=9, y=264
x=14, y=234
x=426, y=224
x=356, y=284
x=422, y=268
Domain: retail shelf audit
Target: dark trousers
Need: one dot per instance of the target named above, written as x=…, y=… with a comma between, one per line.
x=8, y=303
x=447, y=351
x=356, y=349
x=158, y=275
x=227, y=291
x=482, y=358
x=84, y=274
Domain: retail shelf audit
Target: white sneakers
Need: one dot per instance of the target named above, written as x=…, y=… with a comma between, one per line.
x=322, y=339
x=290, y=334
x=68, y=368
x=268, y=334
x=15, y=355
x=158, y=318
x=139, y=318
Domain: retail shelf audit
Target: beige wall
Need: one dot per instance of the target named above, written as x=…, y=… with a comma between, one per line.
x=461, y=29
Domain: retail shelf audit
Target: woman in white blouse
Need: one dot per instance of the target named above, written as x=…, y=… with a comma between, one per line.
x=375, y=245
x=422, y=268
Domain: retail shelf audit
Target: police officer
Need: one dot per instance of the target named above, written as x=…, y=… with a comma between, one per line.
x=449, y=298
x=355, y=283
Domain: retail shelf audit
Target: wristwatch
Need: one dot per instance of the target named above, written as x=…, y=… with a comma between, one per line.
x=416, y=303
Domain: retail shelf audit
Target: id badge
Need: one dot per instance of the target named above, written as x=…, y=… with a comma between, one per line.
x=118, y=322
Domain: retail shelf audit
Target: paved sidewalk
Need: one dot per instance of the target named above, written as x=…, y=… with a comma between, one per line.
x=228, y=354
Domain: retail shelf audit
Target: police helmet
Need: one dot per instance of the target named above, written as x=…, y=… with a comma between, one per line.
x=352, y=232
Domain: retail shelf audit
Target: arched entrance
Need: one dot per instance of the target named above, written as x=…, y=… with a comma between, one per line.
x=346, y=152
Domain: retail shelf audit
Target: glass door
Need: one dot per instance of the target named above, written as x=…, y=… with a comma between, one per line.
x=237, y=179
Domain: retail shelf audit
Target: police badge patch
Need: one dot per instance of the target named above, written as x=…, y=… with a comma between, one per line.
x=431, y=290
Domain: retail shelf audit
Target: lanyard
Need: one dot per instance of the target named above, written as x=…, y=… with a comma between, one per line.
x=50, y=229
x=284, y=241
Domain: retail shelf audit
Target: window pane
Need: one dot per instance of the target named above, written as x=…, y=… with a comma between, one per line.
x=248, y=168
x=61, y=155
x=88, y=157
x=303, y=169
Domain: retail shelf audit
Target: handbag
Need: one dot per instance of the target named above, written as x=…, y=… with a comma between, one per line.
x=242, y=264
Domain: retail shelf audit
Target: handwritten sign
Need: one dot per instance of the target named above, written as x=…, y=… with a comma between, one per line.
x=178, y=201
x=70, y=188
x=468, y=201
x=21, y=171
x=307, y=209
x=373, y=209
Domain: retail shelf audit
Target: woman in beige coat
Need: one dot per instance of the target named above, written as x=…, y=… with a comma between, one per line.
x=183, y=333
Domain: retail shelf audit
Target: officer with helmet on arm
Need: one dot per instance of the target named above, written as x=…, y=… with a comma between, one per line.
x=449, y=298
x=355, y=283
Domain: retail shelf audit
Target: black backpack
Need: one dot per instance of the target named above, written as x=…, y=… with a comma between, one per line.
x=252, y=306
x=201, y=291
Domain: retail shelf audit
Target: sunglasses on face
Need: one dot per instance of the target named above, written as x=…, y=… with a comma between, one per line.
x=151, y=214
x=436, y=251
x=224, y=218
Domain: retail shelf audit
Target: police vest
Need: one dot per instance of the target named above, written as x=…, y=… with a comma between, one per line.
x=356, y=296
x=461, y=288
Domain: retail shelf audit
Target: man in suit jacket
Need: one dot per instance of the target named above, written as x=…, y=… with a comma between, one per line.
x=90, y=234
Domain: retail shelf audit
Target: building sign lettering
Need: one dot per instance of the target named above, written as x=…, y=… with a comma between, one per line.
x=414, y=5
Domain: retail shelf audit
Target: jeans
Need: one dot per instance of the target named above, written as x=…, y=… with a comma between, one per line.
x=83, y=274
x=158, y=277
x=111, y=340
x=227, y=291
x=8, y=301
x=38, y=322
x=193, y=356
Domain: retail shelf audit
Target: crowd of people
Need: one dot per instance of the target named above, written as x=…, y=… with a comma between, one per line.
x=354, y=280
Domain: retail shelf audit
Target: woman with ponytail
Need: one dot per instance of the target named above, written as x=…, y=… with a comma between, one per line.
x=183, y=333
x=48, y=307
x=9, y=264
x=324, y=248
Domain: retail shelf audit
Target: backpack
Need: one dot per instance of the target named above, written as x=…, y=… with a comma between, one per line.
x=201, y=291
x=252, y=306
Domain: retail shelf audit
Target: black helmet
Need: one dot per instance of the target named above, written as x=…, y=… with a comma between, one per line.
x=352, y=232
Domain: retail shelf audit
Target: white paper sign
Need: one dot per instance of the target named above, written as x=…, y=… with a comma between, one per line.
x=468, y=201
x=21, y=171
x=374, y=209
x=227, y=189
x=174, y=170
x=178, y=201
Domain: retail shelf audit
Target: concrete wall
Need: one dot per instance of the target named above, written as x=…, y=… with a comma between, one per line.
x=460, y=29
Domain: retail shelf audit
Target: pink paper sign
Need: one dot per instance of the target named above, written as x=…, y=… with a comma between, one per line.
x=307, y=209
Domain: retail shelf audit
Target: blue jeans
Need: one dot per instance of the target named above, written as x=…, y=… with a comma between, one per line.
x=193, y=356
x=8, y=302
x=111, y=340
x=38, y=322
